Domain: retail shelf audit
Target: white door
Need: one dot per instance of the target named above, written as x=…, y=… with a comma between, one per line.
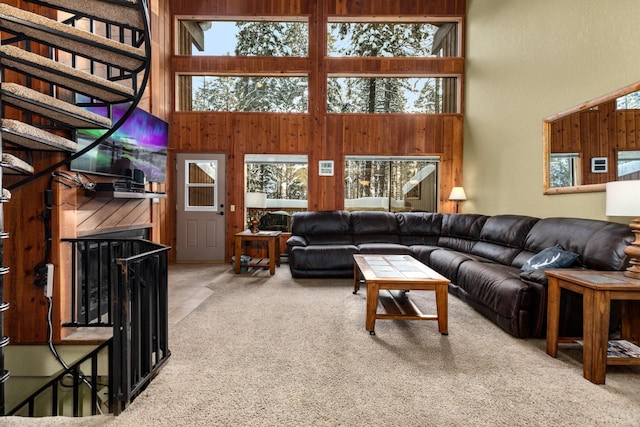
x=200, y=220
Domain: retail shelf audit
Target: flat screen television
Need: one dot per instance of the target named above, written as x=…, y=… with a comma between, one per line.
x=140, y=143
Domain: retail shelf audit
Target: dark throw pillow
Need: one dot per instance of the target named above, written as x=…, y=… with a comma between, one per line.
x=554, y=257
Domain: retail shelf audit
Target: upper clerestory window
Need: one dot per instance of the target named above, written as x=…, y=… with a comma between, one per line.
x=393, y=39
x=242, y=38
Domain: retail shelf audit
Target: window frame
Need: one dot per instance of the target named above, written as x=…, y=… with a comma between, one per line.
x=277, y=159
x=458, y=89
x=233, y=18
x=188, y=185
x=389, y=208
x=179, y=98
x=574, y=167
x=398, y=20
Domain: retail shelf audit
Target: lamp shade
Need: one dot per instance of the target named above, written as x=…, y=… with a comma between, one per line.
x=255, y=200
x=457, y=193
x=623, y=198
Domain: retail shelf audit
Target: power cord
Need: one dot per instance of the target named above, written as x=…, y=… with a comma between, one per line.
x=40, y=271
x=79, y=180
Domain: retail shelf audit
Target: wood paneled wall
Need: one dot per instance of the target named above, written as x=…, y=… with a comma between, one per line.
x=598, y=132
x=74, y=213
x=320, y=135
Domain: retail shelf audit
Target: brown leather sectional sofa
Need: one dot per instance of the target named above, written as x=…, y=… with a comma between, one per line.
x=481, y=255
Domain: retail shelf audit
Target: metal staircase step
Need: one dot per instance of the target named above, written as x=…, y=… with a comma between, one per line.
x=54, y=72
x=31, y=137
x=47, y=106
x=119, y=12
x=12, y=165
x=71, y=39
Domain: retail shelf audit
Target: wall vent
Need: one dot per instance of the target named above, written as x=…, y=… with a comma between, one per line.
x=599, y=165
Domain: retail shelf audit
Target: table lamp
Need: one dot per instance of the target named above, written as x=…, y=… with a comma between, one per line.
x=255, y=201
x=457, y=195
x=623, y=199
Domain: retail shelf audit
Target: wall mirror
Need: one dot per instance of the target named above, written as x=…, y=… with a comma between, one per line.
x=593, y=143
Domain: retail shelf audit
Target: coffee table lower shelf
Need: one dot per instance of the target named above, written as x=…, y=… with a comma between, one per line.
x=398, y=306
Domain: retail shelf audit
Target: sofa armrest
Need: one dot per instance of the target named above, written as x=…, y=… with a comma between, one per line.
x=534, y=276
x=296, y=241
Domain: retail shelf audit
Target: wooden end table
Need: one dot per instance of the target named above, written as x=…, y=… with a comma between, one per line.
x=273, y=249
x=404, y=273
x=598, y=289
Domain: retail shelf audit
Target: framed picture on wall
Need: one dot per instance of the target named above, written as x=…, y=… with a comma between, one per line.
x=325, y=168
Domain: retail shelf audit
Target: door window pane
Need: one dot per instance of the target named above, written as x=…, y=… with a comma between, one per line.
x=201, y=193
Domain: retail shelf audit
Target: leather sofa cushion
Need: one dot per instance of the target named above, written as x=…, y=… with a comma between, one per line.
x=329, y=239
x=599, y=244
x=419, y=228
x=384, y=249
x=461, y=231
x=463, y=225
x=374, y=227
x=495, y=252
x=447, y=262
x=496, y=286
x=423, y=252
x=508, y=230
x=296, y=241
x=502, y=237
x=326, y=257
x=322, y=227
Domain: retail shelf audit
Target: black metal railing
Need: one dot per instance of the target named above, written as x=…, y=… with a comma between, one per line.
x=122, y=284
x=140, y=332
x=50, y=399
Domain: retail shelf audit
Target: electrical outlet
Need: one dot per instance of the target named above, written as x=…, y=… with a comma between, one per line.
x=40, y=275
x=48, y=288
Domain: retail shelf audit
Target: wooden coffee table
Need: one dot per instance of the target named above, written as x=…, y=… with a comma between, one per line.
x=404, y=273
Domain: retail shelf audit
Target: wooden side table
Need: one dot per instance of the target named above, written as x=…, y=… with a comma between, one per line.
x=273, y=249
x=598, y=289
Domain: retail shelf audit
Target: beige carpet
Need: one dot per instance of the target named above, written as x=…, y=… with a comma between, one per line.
x=273, y=351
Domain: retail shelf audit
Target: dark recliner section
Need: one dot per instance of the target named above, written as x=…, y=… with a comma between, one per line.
x=481, y=255
x=322, y=244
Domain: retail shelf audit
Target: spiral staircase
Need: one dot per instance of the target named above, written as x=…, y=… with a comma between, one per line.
x=83, y=53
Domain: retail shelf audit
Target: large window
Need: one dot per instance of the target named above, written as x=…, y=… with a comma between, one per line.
x=282, y=179
x=392, y=39
x=243, y=93
x=380, y=94
x=393, y=184
x=243, y=38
